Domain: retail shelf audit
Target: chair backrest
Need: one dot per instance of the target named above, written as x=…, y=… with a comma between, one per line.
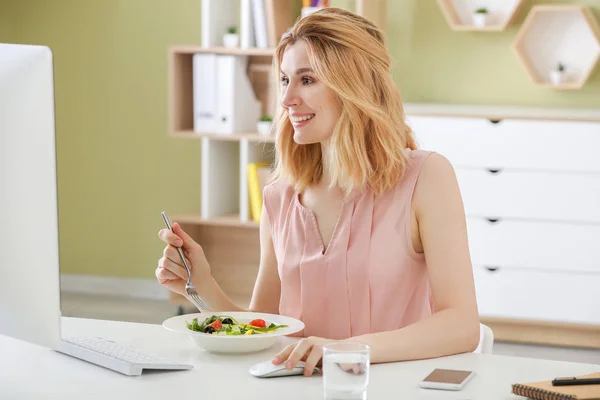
x=486, y=340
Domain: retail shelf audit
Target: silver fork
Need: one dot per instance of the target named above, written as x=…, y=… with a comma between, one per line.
x=190, y=289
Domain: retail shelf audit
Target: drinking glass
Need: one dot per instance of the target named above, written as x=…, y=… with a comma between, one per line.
x=346, y=370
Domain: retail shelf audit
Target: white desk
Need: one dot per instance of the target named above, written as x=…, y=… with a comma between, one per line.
x=32, y=372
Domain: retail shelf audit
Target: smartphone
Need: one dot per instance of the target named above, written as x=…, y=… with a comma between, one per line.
x=447, y=379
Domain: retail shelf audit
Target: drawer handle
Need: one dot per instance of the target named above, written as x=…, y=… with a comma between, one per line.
x=491, y=269
x=493, y=220
x=495, y=121
x=494, y=170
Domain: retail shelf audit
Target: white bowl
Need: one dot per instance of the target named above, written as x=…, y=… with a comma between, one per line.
x=234, y=344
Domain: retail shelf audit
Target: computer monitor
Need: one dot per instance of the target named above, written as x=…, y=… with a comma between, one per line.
x=29, y=256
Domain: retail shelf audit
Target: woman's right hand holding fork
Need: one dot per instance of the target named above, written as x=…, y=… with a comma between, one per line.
x=171, y=272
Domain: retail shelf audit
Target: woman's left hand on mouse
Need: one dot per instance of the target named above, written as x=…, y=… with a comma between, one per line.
x=309, y=350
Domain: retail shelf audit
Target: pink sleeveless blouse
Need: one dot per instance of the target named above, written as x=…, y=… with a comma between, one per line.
x=369, y=278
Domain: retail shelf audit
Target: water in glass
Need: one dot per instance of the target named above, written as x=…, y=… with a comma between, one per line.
x=346, y=371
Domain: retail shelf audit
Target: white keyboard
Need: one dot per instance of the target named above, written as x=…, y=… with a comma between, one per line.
x=116, y=356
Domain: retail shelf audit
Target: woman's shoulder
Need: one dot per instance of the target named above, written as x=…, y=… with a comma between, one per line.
x=424, y=170
x=418, y=154
x=436, y=181
x=435, y=165
x=429, y=162
x=278, y=186
x=277, y=193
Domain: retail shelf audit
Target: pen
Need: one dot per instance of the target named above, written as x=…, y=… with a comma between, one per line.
x=575, y=381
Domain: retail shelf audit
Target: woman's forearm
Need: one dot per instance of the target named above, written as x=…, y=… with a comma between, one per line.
x=214, y=297
x=447, y=332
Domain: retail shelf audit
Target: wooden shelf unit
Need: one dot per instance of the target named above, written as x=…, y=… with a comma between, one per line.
x=501, y=14
x=552, y=34
x=234, y=137
x=232, y=250
x=180, y=86
x=231, y=220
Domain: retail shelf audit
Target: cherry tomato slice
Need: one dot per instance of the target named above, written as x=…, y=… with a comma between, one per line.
x=259, y=323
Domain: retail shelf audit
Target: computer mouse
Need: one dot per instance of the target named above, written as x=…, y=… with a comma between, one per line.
x=269, y=370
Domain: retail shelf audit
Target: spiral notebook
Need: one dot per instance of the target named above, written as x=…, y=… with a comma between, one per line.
x=545, y=391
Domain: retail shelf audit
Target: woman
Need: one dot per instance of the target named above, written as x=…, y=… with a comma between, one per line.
x=363, y=237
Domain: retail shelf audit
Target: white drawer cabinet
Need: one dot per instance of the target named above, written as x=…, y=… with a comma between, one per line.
x=511, y=244
x=545, y=196
x=513, y=144
x=531, y=192
x=536, y=295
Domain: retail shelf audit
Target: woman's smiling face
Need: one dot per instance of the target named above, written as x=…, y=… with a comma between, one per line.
x=312, y=107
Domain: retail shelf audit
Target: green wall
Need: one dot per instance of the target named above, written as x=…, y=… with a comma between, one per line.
x=117, y=168
x=5, y=25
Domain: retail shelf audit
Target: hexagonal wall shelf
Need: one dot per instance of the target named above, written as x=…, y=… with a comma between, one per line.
x=559, y=45
x=479, y=15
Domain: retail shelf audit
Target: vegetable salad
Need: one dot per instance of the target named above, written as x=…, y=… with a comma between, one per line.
x=225, y=325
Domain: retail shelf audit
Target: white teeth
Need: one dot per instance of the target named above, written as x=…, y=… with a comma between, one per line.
x=300, y=119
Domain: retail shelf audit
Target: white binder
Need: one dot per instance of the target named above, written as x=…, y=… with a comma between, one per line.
x=261, y=33
x=238, y=109
x=246, y=25
x=204, y=71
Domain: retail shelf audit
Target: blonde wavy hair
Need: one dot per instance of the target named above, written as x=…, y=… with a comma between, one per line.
x=348, y=54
